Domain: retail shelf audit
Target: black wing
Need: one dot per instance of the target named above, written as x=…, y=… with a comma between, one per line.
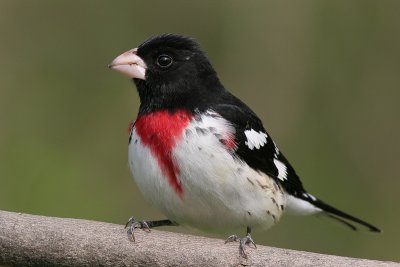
x=268, y=159
x=265, y=157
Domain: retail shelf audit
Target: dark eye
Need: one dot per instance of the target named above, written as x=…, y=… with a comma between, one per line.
x=164, y=61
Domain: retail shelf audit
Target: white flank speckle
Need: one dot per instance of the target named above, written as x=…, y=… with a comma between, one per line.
x=255, y=139
x=282, y=171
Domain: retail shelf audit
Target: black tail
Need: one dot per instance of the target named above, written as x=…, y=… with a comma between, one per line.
x=342, y=216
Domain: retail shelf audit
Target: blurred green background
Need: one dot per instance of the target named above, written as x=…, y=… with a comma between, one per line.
x=322, y=75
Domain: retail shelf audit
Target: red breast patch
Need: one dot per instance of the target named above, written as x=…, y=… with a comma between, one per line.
x=159, y=131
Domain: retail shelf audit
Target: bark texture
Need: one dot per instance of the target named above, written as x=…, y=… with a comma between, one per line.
x=31, y=240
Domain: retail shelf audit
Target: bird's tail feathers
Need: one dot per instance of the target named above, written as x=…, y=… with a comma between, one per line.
x=340, y=216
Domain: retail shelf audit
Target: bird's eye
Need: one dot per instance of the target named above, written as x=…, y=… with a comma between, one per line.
x=164, y=61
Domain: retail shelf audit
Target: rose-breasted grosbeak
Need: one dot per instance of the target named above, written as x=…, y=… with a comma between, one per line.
x=202, y=156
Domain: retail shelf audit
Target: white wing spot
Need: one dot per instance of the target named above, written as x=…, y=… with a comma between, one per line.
x=255, y=139
x=282, y=170
x=276, y=150
x=309, y=196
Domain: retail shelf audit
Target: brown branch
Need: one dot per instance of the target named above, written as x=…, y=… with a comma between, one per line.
x=31, y=240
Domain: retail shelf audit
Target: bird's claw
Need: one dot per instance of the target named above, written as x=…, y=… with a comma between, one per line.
x=133, y=224
x=247, y=240
x=232, y=238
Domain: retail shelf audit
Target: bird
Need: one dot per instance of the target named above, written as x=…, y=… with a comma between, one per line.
x=201, y=155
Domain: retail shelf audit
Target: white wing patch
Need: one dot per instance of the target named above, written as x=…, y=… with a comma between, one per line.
x=255, y=139
x=282, y=170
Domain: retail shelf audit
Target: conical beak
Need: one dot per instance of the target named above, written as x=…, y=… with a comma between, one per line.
x=130, y=64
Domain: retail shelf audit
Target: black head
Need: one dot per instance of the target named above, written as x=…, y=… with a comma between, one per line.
x=177, y=74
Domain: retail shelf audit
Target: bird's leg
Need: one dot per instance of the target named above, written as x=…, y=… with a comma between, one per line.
x=247, y=240
x=132, y=224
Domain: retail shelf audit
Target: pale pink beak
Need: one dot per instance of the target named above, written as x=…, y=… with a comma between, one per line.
x=130, y=64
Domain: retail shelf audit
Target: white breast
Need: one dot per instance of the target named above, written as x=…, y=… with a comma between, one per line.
x=219, y=190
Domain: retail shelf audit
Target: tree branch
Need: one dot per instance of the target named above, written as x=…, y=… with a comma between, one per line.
x=31, y=240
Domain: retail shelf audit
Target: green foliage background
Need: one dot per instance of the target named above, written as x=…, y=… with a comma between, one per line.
x=322, y=75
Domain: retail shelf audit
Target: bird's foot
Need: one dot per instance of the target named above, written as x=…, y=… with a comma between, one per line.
x=247, y=240
x=132, y=224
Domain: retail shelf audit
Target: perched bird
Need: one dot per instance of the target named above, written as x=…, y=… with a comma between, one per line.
x=202, y=156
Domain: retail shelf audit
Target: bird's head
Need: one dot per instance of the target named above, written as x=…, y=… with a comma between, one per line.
x=169, y=71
